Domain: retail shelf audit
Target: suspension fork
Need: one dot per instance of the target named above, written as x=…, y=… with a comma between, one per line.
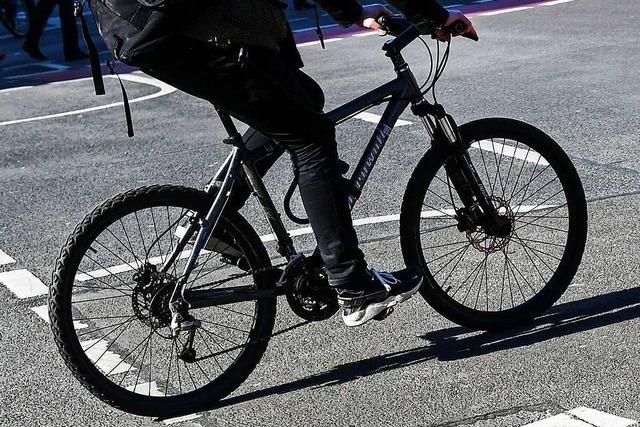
x=462, y=173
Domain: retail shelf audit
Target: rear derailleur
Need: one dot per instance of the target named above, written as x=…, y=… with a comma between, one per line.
x=182, y=321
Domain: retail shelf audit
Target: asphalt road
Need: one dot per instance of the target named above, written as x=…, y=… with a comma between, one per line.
x=570, y=69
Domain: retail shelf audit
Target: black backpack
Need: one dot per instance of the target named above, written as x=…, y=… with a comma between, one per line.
x=133, y=30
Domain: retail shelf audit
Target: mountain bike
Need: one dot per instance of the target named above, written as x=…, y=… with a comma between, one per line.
x=16, y=15
x=163, y=300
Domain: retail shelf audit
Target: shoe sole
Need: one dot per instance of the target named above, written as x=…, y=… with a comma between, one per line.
x=372, y=310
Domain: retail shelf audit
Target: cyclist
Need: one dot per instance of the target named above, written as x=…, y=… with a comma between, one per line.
x=242, y=57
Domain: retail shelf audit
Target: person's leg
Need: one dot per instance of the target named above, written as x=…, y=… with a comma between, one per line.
x=270, y=96
x=72, y=51
x=42, y=11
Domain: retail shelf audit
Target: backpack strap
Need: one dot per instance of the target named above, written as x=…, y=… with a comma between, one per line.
x=125, y=101
x=94, y=58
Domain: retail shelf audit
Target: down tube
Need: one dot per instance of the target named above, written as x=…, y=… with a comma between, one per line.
x=377, y=142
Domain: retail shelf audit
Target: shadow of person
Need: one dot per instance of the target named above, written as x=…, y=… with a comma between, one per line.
x=460, y=343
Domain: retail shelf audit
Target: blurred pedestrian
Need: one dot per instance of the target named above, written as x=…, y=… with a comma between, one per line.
x=2, y=56
x=43, y=11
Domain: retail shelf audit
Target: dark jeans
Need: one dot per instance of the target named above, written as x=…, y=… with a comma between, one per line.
x=284, y=105
x=67, y=21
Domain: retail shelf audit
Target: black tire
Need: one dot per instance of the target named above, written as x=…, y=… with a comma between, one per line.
x=66, y=337
x=439, y=296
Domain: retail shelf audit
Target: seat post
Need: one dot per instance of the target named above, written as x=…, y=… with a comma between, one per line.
x=227, y=122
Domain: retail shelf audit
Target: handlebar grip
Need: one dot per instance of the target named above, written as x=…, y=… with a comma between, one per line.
x=457, y=27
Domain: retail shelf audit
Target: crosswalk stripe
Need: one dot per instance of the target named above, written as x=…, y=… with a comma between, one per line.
x=43, y=312
x=107, y=361
x=23, y=283
x=182, y=419
x=375, y=118
x=583, y=417
x=5, y=259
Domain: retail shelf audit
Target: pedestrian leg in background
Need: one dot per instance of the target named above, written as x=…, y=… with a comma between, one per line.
x=69, y=30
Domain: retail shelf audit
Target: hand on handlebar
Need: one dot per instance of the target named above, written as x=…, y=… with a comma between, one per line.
x=456, y=25
x=370, y=14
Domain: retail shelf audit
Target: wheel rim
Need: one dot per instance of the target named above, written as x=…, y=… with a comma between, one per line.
x=496, y=274
x=121, y=321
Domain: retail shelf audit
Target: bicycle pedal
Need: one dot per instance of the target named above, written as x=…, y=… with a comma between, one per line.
x=383, y=314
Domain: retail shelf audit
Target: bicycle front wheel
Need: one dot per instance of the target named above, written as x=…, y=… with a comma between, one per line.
x=109, y=304
x=490, y=282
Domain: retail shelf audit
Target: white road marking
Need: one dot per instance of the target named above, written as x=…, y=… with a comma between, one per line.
x=5, y=259
x=54, y=69
x=182, y=419
x=106, y=360
x=149, y=389
x=555, y=2
x=501, y=11
x=507, y=150
x=375, y=118
x=13, y=89
x=23, y=283
x=317, y=42
x=43, y=312
x=322, y=27
x=122, y=268
x=583, y=417
x=444, y=212
x=165, y=89
x=600, y=419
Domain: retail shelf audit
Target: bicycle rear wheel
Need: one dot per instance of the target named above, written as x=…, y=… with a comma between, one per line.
x=482, y=281
x=109, y=304
x=16, y=16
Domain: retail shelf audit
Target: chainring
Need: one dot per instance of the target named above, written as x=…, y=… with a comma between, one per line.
x=310, y=296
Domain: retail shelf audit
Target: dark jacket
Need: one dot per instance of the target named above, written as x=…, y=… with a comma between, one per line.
x=263, y=23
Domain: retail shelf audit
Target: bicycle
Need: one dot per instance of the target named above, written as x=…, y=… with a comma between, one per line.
x=16, y=16
x=494, y=216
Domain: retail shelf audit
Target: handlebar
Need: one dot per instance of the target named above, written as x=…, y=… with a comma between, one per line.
x=406, y=32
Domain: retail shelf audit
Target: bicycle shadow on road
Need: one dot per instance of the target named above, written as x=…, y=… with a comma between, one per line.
x=455, y=343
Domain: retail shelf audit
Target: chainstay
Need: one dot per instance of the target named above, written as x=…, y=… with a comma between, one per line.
x=238, y=276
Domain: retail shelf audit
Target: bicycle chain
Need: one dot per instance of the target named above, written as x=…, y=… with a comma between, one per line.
x=238, y=276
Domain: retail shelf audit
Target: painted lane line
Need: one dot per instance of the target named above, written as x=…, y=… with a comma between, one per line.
x=5, y=259
x=509, y=151
x=165, y=89
x=441, y=213
x=149, y=389
x=375, y=118
x=317, y=42
x=500, y=12
x=600, y=419
x=13, y=89
x=23, y=283
x=43, y=312
x=555, y=2
x=107, y=361
x=182, y=419
x=123, y=268
x=583, y=417
x=322, y=27
x=560, y=420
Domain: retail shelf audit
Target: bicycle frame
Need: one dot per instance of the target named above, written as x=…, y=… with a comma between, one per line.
x=399, y=93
